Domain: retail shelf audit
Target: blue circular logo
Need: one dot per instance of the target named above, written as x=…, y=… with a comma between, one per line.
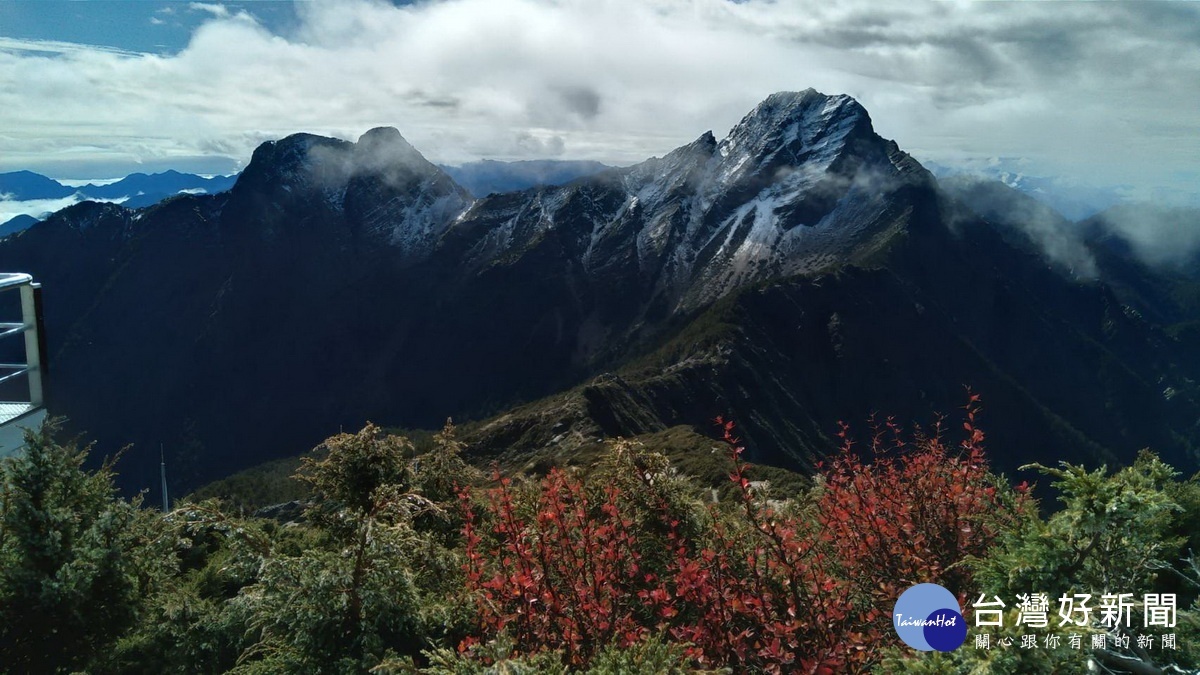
x=927, y=617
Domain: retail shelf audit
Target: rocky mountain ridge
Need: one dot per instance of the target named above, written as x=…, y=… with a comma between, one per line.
x=800, y=271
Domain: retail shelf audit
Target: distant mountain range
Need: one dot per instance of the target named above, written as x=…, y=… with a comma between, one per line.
x=140, y=189
x=800, y=271
x=134, y=191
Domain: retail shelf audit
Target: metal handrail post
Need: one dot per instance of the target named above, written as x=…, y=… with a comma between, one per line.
x=31, y=316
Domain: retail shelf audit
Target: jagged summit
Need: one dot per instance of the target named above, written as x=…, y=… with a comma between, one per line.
x=789, y=135
x=307, y=157
x=378, y=187
x=794, y=128
x=384, y=134
x=283, y=164
x=786, y=106
x=383, y=149
x=800, y=184
x=789, y=112
x=787, y=128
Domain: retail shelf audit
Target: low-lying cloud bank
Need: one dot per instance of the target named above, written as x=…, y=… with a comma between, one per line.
x=1158, y=236
x=37, y=208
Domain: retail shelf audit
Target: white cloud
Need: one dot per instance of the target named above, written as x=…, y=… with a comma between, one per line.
x=34, y=207
x=37, y=208
x=34, y=48
x=1110, y=91
x=80, y=182
x=217, y=10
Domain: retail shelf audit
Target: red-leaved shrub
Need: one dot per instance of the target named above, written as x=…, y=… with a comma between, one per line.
x=562, y=577
x=804, y=586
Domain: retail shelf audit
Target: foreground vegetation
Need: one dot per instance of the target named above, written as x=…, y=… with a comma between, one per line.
x=406, y=560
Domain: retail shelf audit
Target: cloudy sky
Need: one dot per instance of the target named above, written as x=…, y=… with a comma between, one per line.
x=1104, y=92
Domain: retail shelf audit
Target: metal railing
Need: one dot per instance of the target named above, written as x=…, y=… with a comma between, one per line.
x=31, y=327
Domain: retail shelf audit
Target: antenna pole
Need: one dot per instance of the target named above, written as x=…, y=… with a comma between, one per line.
x=163, y=466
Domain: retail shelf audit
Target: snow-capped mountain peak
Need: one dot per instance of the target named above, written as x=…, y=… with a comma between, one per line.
x=796, y=186
x=791, y=128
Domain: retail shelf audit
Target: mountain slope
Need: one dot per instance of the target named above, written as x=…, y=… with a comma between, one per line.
x=1147, y=255
x=1066, y=370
